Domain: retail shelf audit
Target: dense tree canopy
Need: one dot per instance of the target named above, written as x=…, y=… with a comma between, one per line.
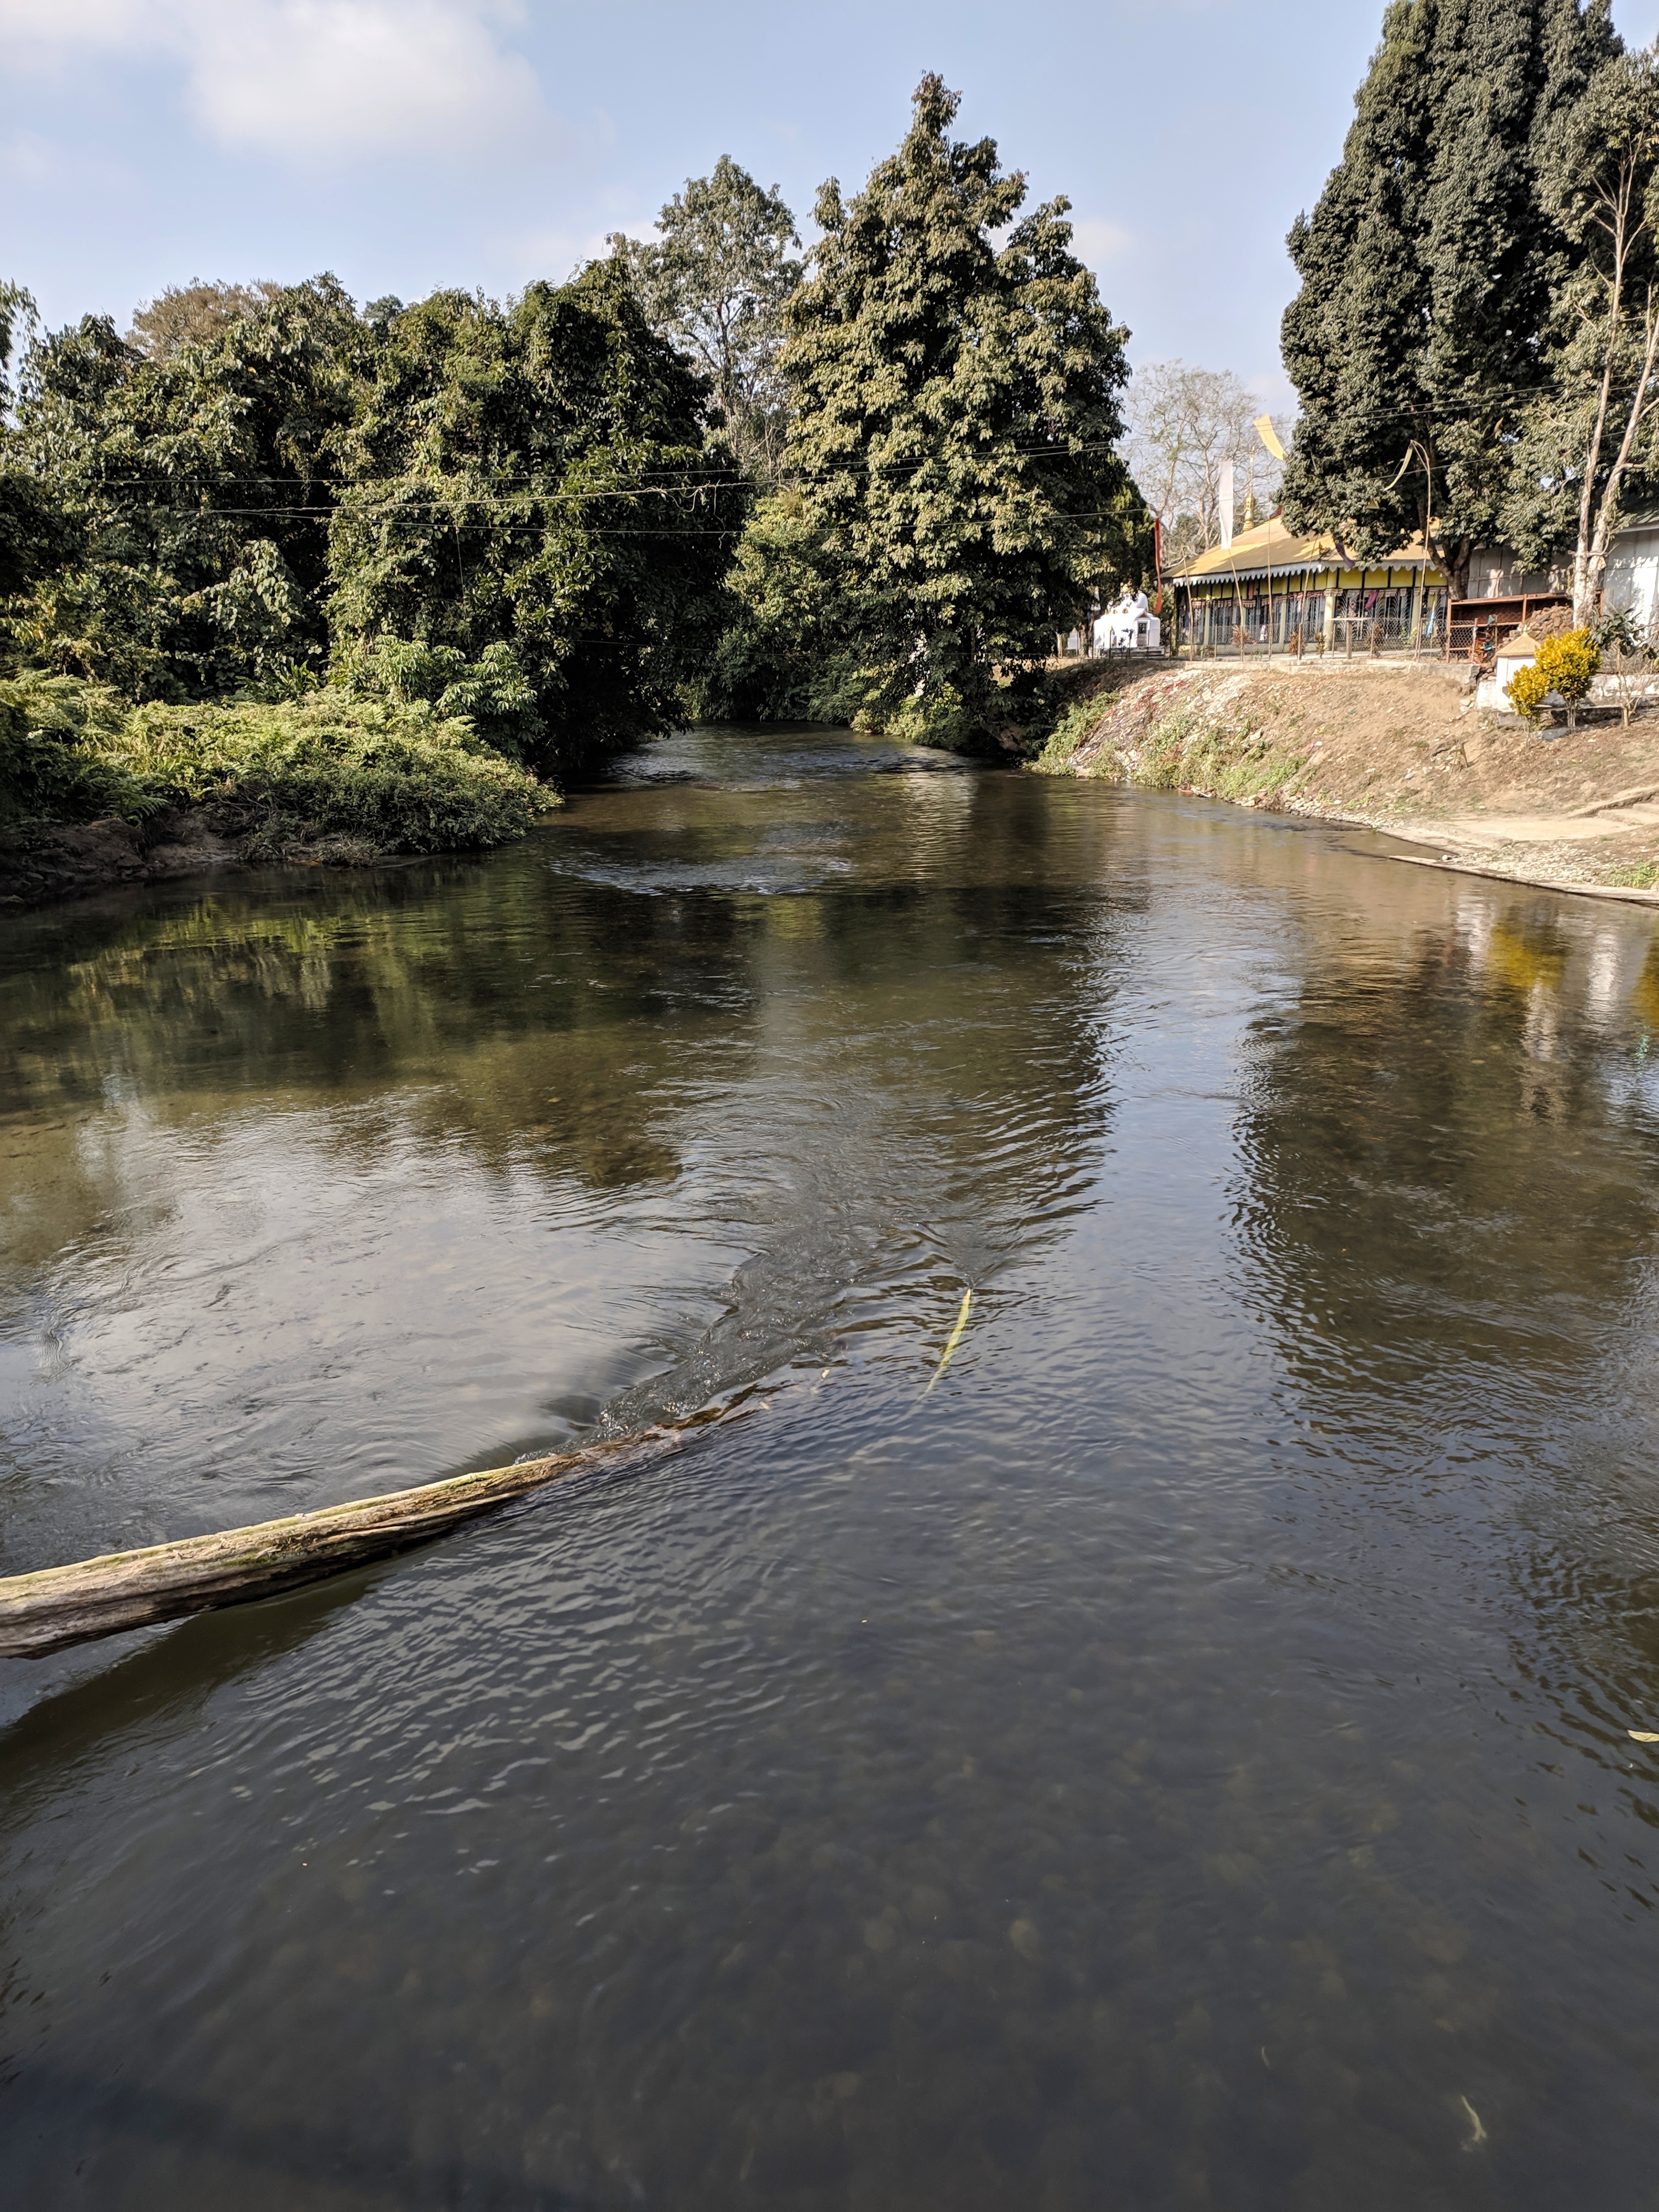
x=195, y=315
x=700, y=475
x=509, y=512
x=527, y=494
x=199, y=483
x=1429, y=267
x=956, y=396
x=36, y=538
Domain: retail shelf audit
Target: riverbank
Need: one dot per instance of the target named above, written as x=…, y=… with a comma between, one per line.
x=1395, y=747
x=95, y=793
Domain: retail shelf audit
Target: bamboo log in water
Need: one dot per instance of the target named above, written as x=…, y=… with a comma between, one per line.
x=55, y=1607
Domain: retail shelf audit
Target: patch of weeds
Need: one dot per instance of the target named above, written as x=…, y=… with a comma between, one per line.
x=1642, y=876
x=1188, y=750
x=1068, y=734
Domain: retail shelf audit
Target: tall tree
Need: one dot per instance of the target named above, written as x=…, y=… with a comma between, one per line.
x=36, y=536
x=714, y=281
x=956, y=419
x=529, y=500
x=1427, y=269
x=195, y=315
x=1589, y=436
x=199, y=484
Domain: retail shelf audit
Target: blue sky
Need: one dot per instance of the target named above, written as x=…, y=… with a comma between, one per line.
x=408, y=143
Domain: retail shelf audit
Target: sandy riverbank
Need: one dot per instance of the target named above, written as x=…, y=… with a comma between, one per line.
x=1392, y=747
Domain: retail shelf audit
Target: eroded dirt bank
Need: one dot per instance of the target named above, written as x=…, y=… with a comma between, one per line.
x=39, y=864
x=1395, y=747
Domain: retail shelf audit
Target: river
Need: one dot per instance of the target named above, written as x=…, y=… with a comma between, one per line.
x=1180, y=1759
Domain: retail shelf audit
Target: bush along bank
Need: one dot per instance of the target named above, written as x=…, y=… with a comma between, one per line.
x=93, y=790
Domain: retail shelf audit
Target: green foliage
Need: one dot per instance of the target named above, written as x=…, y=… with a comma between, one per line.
x=493, y=692
x=56, y=762
x=1617, y=631
x=520, y=517
x=714, y=283
x=195, y=315
x=1586, y=437
x=1194, y=748
x=1077, y=723
x=781, y=655
x=1196, y=745
x=532, y=482
x=956, y=397
x=396, y=777
x=1428, y=269
x=1565, y=667
x=388, y=776
x=508, y=514
x=197, y=485
x=36, y=536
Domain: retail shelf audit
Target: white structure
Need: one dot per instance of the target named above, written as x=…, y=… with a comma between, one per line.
x=1495, y=574
x=1633, y=575
x=1493, y=691
x=1129, y=627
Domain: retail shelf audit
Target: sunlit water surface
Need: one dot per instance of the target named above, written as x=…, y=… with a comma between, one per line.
x=1181, y=1760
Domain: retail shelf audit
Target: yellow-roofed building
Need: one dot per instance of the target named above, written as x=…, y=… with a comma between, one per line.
x=1272, y=590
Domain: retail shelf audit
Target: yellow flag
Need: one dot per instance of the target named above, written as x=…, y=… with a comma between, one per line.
x=1269, y=436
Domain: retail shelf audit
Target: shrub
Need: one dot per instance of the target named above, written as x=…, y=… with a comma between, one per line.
x=493, y=692
x=397, y=776
x=1077, y=723
x=54, y=767
x=367, y=775
x=1565, y=667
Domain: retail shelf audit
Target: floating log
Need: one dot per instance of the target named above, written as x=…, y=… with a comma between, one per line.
x=55, y=1607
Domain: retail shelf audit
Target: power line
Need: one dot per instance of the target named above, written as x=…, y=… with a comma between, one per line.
x=1053, y=448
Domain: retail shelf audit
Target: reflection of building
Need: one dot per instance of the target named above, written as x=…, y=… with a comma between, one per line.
x=1273, y=589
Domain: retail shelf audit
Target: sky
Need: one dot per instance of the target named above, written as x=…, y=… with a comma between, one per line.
x=405, y=144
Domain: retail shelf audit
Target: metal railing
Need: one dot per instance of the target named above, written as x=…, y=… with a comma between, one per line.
x=1363, y=624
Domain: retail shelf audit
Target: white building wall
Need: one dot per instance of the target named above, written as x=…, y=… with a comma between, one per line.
x=1632, y=576
x=1494, y=574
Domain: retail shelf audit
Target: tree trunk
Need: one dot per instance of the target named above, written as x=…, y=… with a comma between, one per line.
x=55, y=1607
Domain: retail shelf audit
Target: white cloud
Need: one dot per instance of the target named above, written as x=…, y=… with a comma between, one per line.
x=301, y=79
x=49, y=24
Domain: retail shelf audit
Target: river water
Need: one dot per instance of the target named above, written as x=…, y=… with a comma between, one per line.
x=1180, y=1759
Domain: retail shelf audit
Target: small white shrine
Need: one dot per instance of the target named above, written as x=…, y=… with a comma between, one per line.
x=1128, y=627
x=1493, y=691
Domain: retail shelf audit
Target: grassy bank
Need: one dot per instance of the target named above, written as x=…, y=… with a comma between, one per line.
x=1397, y=748
x=325, y=776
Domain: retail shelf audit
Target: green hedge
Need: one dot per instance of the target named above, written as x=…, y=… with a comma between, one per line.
x=383, y=775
